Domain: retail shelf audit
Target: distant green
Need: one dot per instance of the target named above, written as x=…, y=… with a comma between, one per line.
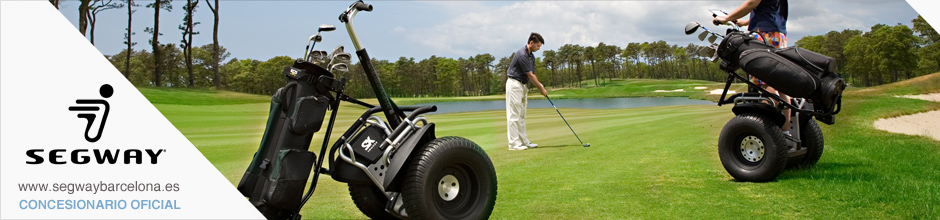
x=646, y=163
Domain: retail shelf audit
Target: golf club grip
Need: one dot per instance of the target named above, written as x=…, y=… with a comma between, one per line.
x=361, y=6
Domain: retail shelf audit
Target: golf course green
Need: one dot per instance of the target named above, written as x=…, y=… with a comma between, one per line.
x=645, y=163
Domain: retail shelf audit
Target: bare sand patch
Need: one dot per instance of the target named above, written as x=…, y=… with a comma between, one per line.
x=719, y=91
x=933, y=97
x=925, y=124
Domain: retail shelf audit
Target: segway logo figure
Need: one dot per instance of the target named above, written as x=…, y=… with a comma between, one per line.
x=92, y=105
x=368, y=144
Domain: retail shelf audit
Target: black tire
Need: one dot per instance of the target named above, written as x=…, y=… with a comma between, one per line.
x=740, y=145
x=812, y=139
x=450, y=178
x=370, y=200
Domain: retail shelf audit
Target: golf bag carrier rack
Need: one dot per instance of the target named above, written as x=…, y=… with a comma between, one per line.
x=793, y=71
x=752, y=146
x=277, y=175
x=372, y=157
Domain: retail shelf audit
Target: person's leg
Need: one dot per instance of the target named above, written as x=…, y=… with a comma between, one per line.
x=778, y=40
x=524, y=136
x=514, y=107
x=786, y=111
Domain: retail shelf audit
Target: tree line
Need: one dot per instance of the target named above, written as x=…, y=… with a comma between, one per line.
x=88, y=12
x=884, y=54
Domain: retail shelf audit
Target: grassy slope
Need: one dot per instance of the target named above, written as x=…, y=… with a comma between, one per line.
x=657, y=162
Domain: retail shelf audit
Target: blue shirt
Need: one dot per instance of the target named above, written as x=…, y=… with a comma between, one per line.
x=769, y=16
x=522, y=63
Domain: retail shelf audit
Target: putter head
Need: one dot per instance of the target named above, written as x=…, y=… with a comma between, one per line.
x=691, y=28
x=587, y=145
x=339, y=67
x=326, y=27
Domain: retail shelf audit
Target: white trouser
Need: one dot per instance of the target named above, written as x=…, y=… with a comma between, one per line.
x=516, y=102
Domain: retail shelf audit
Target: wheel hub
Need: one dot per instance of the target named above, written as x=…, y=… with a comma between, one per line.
x=752, y=148
x=448, y=187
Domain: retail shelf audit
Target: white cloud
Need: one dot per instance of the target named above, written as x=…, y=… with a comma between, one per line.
x=503, y=28
x=498, y=27
x=812, y=18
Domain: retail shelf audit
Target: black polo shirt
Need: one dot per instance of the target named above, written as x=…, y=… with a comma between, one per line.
x=522, y=62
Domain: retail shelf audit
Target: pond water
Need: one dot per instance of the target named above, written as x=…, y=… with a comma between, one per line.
x=594, y=103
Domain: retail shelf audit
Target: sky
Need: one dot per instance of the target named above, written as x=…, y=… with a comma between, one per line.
x=264, y=29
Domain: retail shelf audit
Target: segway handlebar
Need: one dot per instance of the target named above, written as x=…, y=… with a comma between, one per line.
x=362, y=6
x=347, y=18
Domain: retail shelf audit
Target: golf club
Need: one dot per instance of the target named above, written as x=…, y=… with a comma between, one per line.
x=566, y=123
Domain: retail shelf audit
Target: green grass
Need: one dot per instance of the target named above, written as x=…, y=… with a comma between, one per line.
x=180, y=96
x=647, y=163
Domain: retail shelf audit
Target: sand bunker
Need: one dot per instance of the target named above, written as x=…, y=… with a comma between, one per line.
x=925, y=124
x=719, y=91
x=934, y=97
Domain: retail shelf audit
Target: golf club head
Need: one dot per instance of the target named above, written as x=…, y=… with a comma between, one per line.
x=316, y=56
x=337, y=50
x=341, y=57
x=702, y=36
x=315, y=38
x=339, y=67
x=587, y=145
x=703, y=52
x=712, y=52
x=326, y=27
x=711, y=39
x=323, y=57
x=691, y=28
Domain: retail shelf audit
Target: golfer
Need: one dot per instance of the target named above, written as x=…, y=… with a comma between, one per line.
x=521, y=71
x=768, y=21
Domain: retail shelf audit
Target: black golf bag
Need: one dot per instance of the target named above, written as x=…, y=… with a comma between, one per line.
x=793, y=71
x=274, y=181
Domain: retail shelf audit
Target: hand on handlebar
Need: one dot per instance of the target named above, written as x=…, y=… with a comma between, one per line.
x=720, y=20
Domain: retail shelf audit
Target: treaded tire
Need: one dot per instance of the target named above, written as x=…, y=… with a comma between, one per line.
x=739, y=145
x=370, y=200
x=812, y=139
x=450, y=178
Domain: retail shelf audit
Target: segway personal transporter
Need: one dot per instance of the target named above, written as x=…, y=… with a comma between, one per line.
x=394, y=168
x=752, y=147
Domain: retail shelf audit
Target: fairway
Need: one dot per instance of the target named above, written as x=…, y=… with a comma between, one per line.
x=647, y=163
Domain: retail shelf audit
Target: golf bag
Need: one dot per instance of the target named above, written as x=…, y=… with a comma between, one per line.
x=275, y=179
x=793, y=71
